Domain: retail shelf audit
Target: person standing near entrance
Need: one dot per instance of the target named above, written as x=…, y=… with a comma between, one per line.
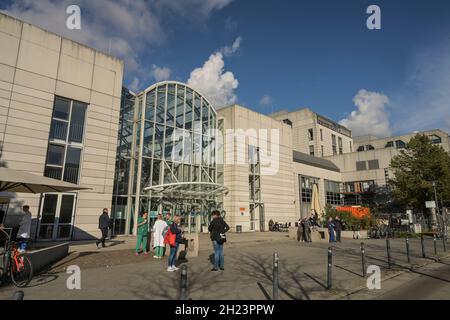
x=175, y=229
x=338, y=228
x=331, y=226
x=23, y=234
x=158, y=230
x=218, y=228
x=142, y=233
x=103, y=225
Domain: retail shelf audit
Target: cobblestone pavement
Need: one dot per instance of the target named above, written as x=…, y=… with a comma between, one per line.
x=118, y=274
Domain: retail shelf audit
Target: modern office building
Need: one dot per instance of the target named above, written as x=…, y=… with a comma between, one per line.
x=64, y=114
x=59, y=115
x=315, y=134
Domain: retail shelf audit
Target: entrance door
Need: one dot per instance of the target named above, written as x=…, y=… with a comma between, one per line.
x=57, y=211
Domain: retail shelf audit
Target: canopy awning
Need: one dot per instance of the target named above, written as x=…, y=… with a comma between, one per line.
x=24, y=182
x=188, y=190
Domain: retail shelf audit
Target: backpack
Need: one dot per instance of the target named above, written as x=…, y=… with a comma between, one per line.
x=170, y=238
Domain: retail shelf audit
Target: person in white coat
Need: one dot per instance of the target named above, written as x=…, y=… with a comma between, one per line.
x=159, y=229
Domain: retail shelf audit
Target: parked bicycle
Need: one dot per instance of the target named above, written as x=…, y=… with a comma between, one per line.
x=16, y=265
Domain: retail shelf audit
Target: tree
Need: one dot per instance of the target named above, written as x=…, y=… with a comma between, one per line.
x=415, y=169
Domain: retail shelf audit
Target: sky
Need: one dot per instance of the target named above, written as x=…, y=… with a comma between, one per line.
x=270, y=55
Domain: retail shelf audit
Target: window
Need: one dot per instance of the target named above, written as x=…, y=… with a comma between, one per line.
x=360, y=148
x=254, y=180
x=390, y=144
x=333, y=195
x=288, y=122
x=333, y=144
x=65, y=140
x=311, y=134
x=361, y=165
x=373, y=164
x=322, y=150
x=351, y=147
x=311, y=150
x=435, y=139
x=399, y=144
x=306, y=187
x=369, y=147
x=341, y=149
x=321, y=135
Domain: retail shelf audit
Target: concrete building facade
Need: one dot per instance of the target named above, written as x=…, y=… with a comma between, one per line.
x=59, y=111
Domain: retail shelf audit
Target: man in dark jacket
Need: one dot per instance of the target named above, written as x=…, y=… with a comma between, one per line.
x=217, y=228
x=103, y=225
x=338, y=228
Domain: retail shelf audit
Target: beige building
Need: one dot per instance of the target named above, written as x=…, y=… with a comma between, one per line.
x=59, y=111
x=315, y=134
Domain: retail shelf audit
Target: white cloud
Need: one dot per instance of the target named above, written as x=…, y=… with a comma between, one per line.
x=211, y=80
x=160, y=73
x=265, y=101
x=228, y=51
x=423, y=102
x=370, y=117
x=127, y=29
x=135, y=85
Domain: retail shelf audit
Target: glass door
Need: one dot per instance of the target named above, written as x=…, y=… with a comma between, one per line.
x=57, y=211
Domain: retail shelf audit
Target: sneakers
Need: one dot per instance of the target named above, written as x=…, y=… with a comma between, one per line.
x=214, y=269
x=170, y=269
x=156, y=257
x=136, y=254
x=174, y=268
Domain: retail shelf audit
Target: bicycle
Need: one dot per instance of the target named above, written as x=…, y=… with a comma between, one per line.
x=16, y=265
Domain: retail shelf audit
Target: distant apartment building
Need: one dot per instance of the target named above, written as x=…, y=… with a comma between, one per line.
x=316, y=135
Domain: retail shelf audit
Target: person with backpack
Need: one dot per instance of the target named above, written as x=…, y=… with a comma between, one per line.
x=173, y=238
x=218, y=228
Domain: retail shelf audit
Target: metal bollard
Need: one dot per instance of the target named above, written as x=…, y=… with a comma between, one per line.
x=408, y=256
x=443, y=243
x=275, y=277
x=423, y=246
x=183, y=283
x=363, y=259
x=330, y=266
x=435, y=245
x=388, y=249
x=18, y=295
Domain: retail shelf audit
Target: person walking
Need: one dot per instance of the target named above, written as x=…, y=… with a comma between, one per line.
x=218, y=228
x=175, y=229
x=142, y=233
x=23, y=234
x=330, y=226
x=159, y=229
x=168, y=220
x=103, y=225
x=338, y=228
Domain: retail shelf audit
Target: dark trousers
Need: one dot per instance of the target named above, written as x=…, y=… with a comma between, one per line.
x=103, y=238
x=338, y=235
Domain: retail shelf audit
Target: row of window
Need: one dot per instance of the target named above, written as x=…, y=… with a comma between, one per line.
x=332, y=190
x=336, y=144
x=66, y=140
x=367, y=165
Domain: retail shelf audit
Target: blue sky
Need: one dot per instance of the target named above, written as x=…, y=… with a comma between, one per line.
x=286, y=54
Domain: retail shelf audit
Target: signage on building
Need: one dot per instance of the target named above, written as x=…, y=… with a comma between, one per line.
x=430, y=204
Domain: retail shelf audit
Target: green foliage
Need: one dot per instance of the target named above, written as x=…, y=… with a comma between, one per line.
x=414, y=170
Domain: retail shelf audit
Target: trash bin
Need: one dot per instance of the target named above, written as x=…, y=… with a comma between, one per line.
x=238, y=229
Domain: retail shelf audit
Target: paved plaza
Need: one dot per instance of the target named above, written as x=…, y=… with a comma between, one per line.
x=115, y=273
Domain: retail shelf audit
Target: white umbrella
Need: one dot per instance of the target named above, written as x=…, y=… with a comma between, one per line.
x=24, y=182
x=315, y=201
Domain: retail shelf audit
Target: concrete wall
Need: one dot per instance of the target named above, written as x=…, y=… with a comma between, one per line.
x=305, y=119
x=36, y=65
x=277, y=190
